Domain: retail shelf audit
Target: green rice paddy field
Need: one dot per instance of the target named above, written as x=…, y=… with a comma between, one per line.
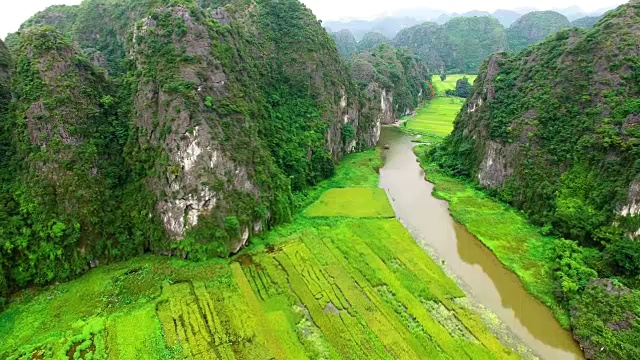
x=436, y=117
x=330, y=285
x=449, y=83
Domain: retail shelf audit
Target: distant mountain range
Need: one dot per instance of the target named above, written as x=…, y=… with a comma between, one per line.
x=388, y=26
x=391, y=25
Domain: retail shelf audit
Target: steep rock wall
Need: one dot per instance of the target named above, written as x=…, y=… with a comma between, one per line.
x=393, y=82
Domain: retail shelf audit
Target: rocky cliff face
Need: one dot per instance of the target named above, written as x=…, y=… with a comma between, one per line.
x=190, y=111
x=173, y=114
x=179, y=128
x=394, y=82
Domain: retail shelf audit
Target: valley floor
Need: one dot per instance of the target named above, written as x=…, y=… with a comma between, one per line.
x=345, y=280
x=436, y=117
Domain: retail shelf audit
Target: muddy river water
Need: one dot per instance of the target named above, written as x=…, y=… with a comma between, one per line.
x=478, y=270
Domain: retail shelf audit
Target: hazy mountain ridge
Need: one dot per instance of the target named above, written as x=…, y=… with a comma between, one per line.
x=401, y=19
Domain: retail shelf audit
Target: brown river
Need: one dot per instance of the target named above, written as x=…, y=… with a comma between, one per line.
x=480, y=273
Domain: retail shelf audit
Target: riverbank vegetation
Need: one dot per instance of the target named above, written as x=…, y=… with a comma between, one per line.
x=520, y=246
x=565, y=156
x=558, y=272
x=332, y=287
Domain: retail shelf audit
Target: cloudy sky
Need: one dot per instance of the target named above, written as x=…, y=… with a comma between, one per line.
x=20, y=10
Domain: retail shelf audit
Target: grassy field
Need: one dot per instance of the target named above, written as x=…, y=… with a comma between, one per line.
x=317, y=288
x=449, y=83
x=520, y=246
x=436, y=117
x=352, y=202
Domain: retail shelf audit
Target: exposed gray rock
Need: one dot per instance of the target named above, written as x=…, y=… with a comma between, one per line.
x=495, y=167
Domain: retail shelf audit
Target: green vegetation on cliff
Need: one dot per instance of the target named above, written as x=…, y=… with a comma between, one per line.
x=566, y=154
x=535, y=27
x=372, y=40
x=394, y=78
x=586, y=22
x=318, y=288
x=178, y=127
x=459, y=46
x=63, y=176
x=345, y=42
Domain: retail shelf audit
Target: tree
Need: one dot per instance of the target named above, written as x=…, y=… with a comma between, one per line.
x=623, y=253
x=463, y=87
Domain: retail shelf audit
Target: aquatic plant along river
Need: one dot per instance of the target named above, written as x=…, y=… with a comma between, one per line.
x=477, y=268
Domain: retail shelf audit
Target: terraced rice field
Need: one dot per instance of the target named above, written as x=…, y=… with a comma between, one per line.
x=342, y=287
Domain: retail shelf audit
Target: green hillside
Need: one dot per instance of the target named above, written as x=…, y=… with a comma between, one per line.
x=534, y=27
